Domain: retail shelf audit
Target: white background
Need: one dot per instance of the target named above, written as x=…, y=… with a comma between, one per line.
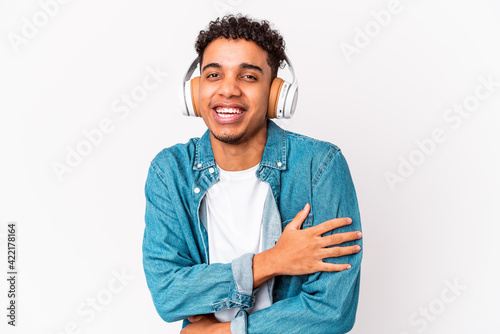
x=435, y=227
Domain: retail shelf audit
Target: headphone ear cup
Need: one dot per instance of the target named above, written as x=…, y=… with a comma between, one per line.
x=195, y=88
x=274, y=94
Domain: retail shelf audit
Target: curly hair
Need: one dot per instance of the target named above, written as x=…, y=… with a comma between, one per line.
x=231, y=26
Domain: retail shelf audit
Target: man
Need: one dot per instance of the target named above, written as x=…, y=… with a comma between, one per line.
x=239, y=223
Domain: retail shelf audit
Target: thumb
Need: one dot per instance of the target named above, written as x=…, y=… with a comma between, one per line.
x=195, y=318
x=296, y=223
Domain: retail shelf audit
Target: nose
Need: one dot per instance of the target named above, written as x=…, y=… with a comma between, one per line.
x=229, y=87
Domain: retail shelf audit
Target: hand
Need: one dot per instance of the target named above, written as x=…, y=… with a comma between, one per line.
x=300, y=252
x=205, y=324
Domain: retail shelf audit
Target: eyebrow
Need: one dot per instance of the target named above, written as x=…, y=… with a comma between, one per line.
x=216, y=65
x=251, y=67
x=242, y=65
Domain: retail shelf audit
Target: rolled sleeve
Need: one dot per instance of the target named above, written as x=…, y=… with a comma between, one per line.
x=243, y=274
x=241, y=293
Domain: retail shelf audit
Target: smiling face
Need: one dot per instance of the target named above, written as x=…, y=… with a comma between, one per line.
x=234, y=91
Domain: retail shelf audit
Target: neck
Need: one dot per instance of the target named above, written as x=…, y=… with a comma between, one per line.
x=241, y=156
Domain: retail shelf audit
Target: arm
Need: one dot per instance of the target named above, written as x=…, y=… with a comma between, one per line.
x=301, y=252
x=180, y=284
x=328, y=300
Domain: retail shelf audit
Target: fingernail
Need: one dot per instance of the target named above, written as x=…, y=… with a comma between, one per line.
x=349, y=220
x=305, y=206
x=360, y=234
x=348, y=266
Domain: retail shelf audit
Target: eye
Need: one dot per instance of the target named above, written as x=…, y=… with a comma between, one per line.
x=251, y=77
x=212, y=75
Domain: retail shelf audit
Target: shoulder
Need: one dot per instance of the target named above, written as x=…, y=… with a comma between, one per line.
x=301, y=140
x=314, y=158
x=175, y=157
x=305, y=148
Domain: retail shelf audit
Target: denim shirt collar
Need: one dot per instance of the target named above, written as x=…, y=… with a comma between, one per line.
x=274, y=155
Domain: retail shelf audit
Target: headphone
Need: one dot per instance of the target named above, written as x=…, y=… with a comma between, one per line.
x=282, y=96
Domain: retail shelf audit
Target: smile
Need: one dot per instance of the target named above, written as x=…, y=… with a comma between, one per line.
x=228, y=112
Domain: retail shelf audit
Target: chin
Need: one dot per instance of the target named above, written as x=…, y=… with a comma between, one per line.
x=228, y=138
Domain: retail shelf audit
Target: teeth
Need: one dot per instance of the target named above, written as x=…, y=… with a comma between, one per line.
x=228, y=111
x=226, y=115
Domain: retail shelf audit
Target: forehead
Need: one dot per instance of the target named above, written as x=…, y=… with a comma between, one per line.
x=233, y=52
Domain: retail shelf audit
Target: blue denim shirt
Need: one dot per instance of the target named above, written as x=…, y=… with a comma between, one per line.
x=299, y=170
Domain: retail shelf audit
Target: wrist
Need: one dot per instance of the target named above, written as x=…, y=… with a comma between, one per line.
x=264, y=267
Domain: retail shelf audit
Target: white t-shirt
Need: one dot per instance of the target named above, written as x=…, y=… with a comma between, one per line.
x=234, y=224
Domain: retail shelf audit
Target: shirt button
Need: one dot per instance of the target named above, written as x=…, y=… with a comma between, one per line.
x=211, y=170
x=279, y=163
x=199, y=165
x=197, y=190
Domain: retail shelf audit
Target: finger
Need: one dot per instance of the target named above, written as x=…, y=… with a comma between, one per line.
x=296, y=223
x=330, y=225
x=339, y=251
x=333, y=267
x=339, y=238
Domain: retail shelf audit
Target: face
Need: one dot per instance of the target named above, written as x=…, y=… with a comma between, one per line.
x=234, y=90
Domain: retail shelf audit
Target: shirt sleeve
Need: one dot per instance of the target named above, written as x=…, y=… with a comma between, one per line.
x=327, y=302
x=181, y=286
